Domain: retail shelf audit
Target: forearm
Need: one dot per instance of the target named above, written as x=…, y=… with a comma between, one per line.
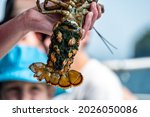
x=10, y=33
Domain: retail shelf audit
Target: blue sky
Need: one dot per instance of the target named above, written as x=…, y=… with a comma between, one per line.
x=122, y=23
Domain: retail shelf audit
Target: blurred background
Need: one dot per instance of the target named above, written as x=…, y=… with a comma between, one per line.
x=122, y=24
x=125, y=24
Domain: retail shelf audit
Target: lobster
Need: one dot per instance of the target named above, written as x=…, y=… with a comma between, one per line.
x=64, y=43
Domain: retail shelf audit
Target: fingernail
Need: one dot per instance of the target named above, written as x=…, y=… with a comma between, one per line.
x=83, y=33
x=91, y=14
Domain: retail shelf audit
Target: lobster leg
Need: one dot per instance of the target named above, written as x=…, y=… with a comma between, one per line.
x=38, y=5
x=62, y=12
x=84, y=6
x=72, y=3
x=60, y=3
x=52, y=7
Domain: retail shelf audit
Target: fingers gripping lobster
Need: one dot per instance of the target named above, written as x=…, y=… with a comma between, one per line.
x=64, y=43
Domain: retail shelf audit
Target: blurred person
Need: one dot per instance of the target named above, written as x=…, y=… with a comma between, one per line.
x=16, y=80
x=32, y=20
x=128, y=95
x=93, y=87
x=99, y=82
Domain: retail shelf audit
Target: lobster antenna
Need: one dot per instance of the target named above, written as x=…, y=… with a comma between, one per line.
x=106, y=42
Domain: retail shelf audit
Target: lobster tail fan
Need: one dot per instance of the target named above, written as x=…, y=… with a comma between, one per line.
x=64, y=82
x=75, y=77
x=39, y=70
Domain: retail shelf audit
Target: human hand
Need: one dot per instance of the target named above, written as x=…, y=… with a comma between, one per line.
x=38, y=22
x=95, y=13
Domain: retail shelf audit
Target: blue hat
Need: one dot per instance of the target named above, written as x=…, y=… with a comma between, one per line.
x=15, y=65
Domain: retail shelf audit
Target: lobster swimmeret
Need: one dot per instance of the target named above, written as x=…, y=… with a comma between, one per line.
x=64, y=43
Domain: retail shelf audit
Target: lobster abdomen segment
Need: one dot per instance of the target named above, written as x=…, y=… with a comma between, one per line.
x=63, y=48
x=64, y=44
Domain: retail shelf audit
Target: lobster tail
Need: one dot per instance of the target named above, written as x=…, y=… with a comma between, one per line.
x=66, y=80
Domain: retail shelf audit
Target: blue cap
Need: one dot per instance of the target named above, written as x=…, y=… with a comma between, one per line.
x=14, y=66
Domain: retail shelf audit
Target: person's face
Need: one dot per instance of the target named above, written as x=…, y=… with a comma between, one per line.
x=25, y=91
